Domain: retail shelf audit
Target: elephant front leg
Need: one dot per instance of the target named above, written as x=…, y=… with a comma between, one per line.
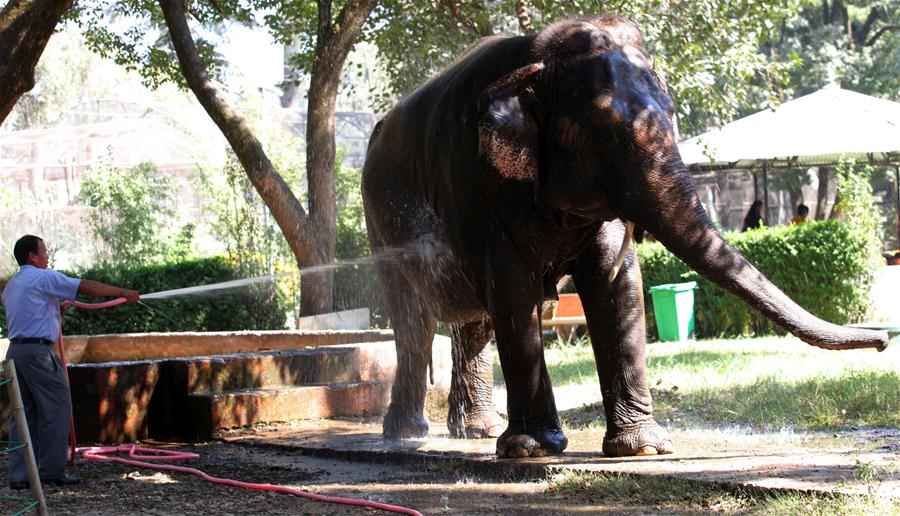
x=615, y=317
x=472, y=414
x=534, y=429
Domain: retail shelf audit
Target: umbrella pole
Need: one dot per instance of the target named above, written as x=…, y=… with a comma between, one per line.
x=766, y=193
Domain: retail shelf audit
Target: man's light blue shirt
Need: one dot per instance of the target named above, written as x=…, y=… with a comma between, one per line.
x=31, y=300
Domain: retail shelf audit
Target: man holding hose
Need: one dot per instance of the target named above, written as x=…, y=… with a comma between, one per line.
x=31, y=300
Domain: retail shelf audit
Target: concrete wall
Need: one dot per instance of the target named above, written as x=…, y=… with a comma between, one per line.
x=131, y=387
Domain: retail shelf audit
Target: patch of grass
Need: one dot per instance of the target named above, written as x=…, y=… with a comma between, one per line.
x=571, y=364
x=822, y=505
x=774, y=381
x=854, y=398
x=771, y=381
x=587, y=418
x=664, y=494
x=692, y=362
x=869, y=471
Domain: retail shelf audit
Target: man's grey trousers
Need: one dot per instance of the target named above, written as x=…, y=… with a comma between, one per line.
x=48, y=409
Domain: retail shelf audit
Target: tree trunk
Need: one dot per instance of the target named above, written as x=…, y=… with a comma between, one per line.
x=311, y=238
x=335, y=39
x=284, y=206
x=25, y=28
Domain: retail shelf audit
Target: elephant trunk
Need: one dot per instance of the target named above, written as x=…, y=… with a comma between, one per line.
x=681, y=224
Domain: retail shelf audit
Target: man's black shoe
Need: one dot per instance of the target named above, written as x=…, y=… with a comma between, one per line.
x=18, y=484
x=66, y=480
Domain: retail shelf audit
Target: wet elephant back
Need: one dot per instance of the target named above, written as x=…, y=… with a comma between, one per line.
x=423, y=184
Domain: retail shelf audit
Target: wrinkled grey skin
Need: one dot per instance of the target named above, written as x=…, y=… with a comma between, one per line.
x=519, y=164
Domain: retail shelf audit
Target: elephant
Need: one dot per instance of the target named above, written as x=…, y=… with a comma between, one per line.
x=527, y=159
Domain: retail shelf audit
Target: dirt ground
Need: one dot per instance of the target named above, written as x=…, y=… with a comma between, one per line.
x=110, y=488
x=293, y=456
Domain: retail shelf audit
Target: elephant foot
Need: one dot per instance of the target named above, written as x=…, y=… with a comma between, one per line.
x=531, y=442
x=476, y=426
x=404, y=424
x=647, y=438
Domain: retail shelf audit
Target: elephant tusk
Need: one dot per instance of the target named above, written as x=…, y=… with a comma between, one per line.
x=620, y=259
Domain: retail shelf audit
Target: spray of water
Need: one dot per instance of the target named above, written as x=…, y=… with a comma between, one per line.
x=427, y=248
x=225, y=285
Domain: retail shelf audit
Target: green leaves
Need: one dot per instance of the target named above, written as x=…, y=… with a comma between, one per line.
x=709, y=52
x=858, y=209
x=824, y=266
x=853, y=43
x=131, y=212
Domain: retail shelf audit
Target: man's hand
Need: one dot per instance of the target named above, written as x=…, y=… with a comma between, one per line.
x=131, y=295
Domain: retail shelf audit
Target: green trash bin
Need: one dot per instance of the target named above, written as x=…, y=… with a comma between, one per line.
x=673, y=305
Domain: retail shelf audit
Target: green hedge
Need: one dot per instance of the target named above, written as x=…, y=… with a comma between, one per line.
x=249, y=308
x=823, y=266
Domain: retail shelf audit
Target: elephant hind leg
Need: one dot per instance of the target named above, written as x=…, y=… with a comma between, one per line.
x=414, y=329
x=472, y=414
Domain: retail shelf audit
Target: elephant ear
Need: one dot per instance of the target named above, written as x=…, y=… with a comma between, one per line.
x=507, y=130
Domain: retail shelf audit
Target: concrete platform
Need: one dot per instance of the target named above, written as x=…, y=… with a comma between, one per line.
x=132, y=387
x=783, y=461
x=212, y=412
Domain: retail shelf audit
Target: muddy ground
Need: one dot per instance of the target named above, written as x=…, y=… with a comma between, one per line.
x=110, y=488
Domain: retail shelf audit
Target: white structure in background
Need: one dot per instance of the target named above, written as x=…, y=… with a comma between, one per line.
x=819, y=129
x=41, y=169
x=356, y=319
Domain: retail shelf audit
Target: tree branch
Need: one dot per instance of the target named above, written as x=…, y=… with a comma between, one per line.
x=25, y=28
x=462, y=19
x=275, y=192
x=881, y=31
x=339, y=37
x=324, y=16
x=334, y=40
x=863, y=31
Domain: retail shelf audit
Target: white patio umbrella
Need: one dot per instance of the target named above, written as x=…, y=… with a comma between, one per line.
x=820, y=128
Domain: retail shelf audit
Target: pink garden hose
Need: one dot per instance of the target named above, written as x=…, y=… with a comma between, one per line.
x=62, y=357
x=149, y=454
x=100, y=453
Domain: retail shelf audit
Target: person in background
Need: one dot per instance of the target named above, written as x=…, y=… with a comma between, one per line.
x=802, y=213
x=31, y=300
x=754, y=219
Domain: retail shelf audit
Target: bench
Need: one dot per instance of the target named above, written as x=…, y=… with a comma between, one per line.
x=565, y=316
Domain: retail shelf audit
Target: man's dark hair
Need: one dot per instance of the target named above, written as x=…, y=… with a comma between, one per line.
x=26, y=244
x=803, y=210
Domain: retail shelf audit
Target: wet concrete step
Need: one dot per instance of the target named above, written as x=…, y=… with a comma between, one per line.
x=266, y=368
x=132, y=400
x=212, y=412
x=110, y=401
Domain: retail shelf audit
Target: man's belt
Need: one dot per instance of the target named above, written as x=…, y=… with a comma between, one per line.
x=31, y=340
